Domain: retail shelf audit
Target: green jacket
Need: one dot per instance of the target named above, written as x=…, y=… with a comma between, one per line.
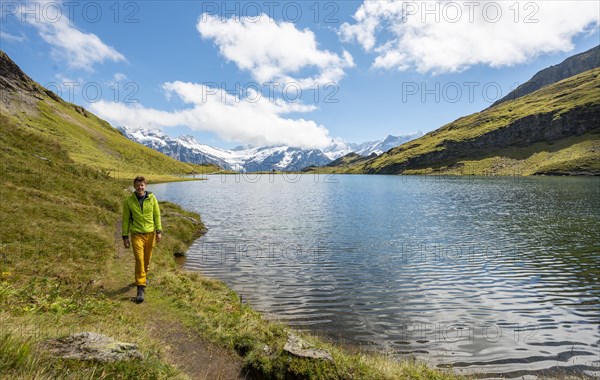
x=136, y=221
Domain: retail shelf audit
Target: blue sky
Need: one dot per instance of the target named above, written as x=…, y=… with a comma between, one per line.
x=301, y=73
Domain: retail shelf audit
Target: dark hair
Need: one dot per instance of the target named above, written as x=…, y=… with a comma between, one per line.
x=139, y=179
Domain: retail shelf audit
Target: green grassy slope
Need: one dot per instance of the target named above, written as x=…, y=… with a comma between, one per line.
x=57, y=244
x=343, y=163
x=576, y=64
x=517, y=130
x=84, y=138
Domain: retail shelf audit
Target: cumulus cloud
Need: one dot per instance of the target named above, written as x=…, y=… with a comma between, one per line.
x=273, y=51
x=251, y=119
x=80, y=50
x=449, y=36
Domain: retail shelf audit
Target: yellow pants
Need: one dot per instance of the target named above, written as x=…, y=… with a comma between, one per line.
x=142, y=251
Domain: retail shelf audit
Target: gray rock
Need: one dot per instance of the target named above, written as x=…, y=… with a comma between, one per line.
x=298, y=347
x=92, y=346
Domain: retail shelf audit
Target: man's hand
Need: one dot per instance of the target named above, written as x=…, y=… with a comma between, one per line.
x=158, y=237
x=126, y=243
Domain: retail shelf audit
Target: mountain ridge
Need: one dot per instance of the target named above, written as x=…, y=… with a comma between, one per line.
x=571, y=66
x=256, y=158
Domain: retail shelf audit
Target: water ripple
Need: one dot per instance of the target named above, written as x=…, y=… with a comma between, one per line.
x=490, y=276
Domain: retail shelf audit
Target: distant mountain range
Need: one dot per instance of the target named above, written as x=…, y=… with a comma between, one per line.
x=251, y=158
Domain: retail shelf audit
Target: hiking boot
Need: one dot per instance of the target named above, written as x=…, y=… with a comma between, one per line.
x=140, y=294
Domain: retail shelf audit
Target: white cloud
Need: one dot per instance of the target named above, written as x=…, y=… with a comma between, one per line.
x=79, y=49
x=119, y=77
x=449, y=36
x=253, y=119
x=273, y=51
x=4, y=36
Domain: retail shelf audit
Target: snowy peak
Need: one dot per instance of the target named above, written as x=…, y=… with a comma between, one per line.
x=241, y=158
x=264, y=158
x=337, y=149
x=380, y=146
x=183, y=148
x=151, y=138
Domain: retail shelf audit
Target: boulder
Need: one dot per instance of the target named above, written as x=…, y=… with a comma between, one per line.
x=92, y=346
x=298, y=347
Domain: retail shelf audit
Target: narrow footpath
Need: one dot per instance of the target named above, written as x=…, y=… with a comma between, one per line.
x=182, y=347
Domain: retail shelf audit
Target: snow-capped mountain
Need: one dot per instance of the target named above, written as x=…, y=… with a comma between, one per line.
x=282, y=158
x=183, y=148
x=380, y=146
x=250, y=158
x=336, y=149
x=339, y=148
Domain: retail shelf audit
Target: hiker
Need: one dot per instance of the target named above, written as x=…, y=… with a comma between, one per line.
x=141, y=218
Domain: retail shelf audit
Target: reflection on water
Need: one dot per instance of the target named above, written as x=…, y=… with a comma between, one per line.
x=487, y=275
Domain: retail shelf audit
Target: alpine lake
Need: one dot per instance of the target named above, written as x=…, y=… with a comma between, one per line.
x=489, y=276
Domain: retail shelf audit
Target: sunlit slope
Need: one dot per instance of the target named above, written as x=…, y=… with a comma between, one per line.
x=554, y=130
x=85, y=138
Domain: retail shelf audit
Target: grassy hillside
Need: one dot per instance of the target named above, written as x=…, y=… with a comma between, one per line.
x=577, y=64
x=576, y=155
x=554, y=130
x=63, y=268
x=340, y=164
x=38, y=115
x=564, y=114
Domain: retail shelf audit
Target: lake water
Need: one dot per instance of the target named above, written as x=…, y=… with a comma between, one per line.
x=489, y=275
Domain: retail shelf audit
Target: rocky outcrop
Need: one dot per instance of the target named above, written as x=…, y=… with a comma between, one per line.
x=18, y=92
x=92, y=346
x=12, y=78
x=520, y=133
x=298, y=347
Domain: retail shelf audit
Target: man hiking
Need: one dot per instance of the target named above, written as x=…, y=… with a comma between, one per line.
x=141, y=218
